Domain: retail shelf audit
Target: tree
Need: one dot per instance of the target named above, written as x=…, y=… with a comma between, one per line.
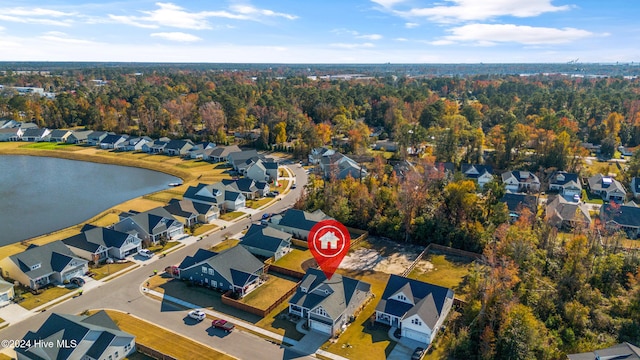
x=212, y=116
x=521, y=335
x=280, y=132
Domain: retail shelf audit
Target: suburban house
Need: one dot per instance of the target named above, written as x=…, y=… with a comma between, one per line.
x=156, y=146
x=251, y=189
x=239, y=159
x=566, y=184
x=79, y=137
x=98, y=244
x=516, y=203
x=635, y=187
x=11, y=134
x=263, y=170
x=317, y=154
x=624, y=351
x=202, y=151
x=35, y=134
x=7, y=292
x=221, y=153
x=607, y=188
x=234, y=269
x=481, y=174
x=266, y=241
x=216, y=194
x=95, y=137
x=297, y=222
x=59, y=135
x=565, y=214
x=521, y=181
x=87, y=337
x=27, y=125
x=113, y=141
x=189, y=212
x=340, y=166
x=621, y=217
x=417, y=308
x=38, y=266
x=7, y=123
x=328, y=305
x=178, y=147
x=136, y=143
x=150, y=225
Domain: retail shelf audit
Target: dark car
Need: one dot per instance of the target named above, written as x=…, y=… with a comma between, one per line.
x=223, y=324
x=77, y=280
x=418, y=353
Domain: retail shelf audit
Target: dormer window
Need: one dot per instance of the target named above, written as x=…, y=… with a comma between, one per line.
x=416, y=322
x=321, y=311
x=402, y=297
x=35, y=266
x=303, y=289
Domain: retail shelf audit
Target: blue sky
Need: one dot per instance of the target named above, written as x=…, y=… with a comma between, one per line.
x=327, y=31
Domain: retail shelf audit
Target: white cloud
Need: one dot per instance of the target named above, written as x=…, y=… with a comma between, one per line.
x=29, y=20
x=387, y=3
x=57, y=36
x=352, y=45
x=356, y=34
x=177, y=36
x=401, y=39
x=172, y=15
x=20, y=11
x=473, y=10
x=369, y=36
x=490, y=34
x=38, y=16
x=411, y=25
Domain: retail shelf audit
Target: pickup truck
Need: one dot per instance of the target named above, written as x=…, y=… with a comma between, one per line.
x=222, y=324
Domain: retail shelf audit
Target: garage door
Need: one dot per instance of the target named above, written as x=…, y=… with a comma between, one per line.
x=75, y=273
x=415, y=335
x=321, y=327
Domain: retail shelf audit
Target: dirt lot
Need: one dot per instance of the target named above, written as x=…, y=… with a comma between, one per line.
x=381, y=255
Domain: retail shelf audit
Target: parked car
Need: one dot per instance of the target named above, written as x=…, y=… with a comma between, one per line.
x=146, y=253
x=293, y=186
x=197, y=314
x=271, y=194
x=418, y=354
x=265, y=216
x=223, y=324
x=77, y=280
x=276, y=192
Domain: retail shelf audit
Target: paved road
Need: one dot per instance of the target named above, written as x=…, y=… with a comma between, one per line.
x=123, y=293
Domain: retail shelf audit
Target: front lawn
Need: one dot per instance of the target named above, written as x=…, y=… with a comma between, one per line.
x=159, y=248
x=31, y=301
x=255, y=204
x=283, y=185
x=107, y=269
x=203, y=229
x=52, y=146
x=591, y=199
x=447, y=271
x=157, y=338
x=230, y=216
x=294, y=259
x=224, y=245
x=268, y=293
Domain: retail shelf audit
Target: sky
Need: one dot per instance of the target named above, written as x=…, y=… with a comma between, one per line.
x=326, y=31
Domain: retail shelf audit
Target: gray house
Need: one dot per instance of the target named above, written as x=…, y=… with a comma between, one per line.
x=98, y=244
x=216, y=194
x=150, y=225
x=238, y=159
x=7, y=292
x=178, y=147
x=221, y=153
x=59, y=135
x=266, y=241
x=11, y=134
x=263, y=170
x=235, y=270
x=621, y=217
x=251, y=189
x=607, y=188
x=566, y=184
x=622, y=351
x=190, y=212
x=635, y=187
x=113, y=141
x=297, y=222
x=95, y=137
x=79, y=137
x=417, y=308
x=35, y=134
x=89, y=338
x=39, y=266
x=327, y=305
x=565, y=214
x=136, y=143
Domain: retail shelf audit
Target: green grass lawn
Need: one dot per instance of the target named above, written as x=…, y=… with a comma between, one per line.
x=159, y=248
x=268, y=293
x=203, y=229
x=283, y=185
x=108, y=269
x=188, y=164
x=224, y=245
x=231, y=215
x=33, y=301
x=447, y=271
x=588, y=198
x=294, y=259
x=52, y=146
x=255, y=204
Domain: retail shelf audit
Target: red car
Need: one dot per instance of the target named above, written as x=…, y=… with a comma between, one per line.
x=222, y=324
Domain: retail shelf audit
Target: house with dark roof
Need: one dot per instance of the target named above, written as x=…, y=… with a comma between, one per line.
x=190, y=212
x=263, y=170
x=340, y=166
x=94, y=337
x=234, y=269
x=516, y=203
x=150, y=225
x=317, y=154
x=38, y=266
x=136, y=143
x=635, y=187
x=266, y=241
x=98, y=244
x=79, y=137
x=251, y=189
x=11, y=134
x=95, y=137
x=622, y=351
x=113, y=141
x=566, y=214
x=566, y=184
x=520, y=181
x=481, y=174
x=155, y=146
x=328, y=304
x=242, y=160
x=221, y=153
x=7, y=293
x=35, y=134
x=202, y=151
x=59, y=135
x=621, y=217
x=226, y=198
x=297, y=222
x=607, y=188
x=178, y=147
x=417, y=308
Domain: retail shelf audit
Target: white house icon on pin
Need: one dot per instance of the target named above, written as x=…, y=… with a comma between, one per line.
x=329, y=241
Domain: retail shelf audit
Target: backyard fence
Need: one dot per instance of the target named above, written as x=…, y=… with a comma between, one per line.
x=153, y=353
x=227, y=300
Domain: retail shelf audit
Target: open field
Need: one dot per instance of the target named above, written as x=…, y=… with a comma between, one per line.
x=380, y=255
x=156, y=338
x=442, y=270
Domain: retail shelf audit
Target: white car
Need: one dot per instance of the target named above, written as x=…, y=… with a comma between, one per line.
x=197, y=314
x=146, y=253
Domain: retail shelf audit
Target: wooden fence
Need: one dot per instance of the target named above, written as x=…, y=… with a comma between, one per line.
x=254, y=310
x=153, y=353
x=361, y=235
x=287, y=272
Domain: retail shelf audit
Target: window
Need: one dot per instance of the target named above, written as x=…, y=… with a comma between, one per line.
x=322, y=312
x=36, y=266
x=211, y=272
x=402, y=297
x=204, y=269
x=116, y=355
x=416, y=322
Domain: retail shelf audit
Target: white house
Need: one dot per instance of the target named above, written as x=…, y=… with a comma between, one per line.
x=7, y=292
x=481, y=174
x=521, y=181
x=566, y=184
x=607, y=188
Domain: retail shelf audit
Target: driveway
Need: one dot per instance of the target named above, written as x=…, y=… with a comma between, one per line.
x=310, y=343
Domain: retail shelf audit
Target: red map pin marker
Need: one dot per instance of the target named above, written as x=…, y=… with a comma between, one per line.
x=329, y=242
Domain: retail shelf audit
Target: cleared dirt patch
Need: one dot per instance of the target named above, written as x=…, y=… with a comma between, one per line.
x=381, y=255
